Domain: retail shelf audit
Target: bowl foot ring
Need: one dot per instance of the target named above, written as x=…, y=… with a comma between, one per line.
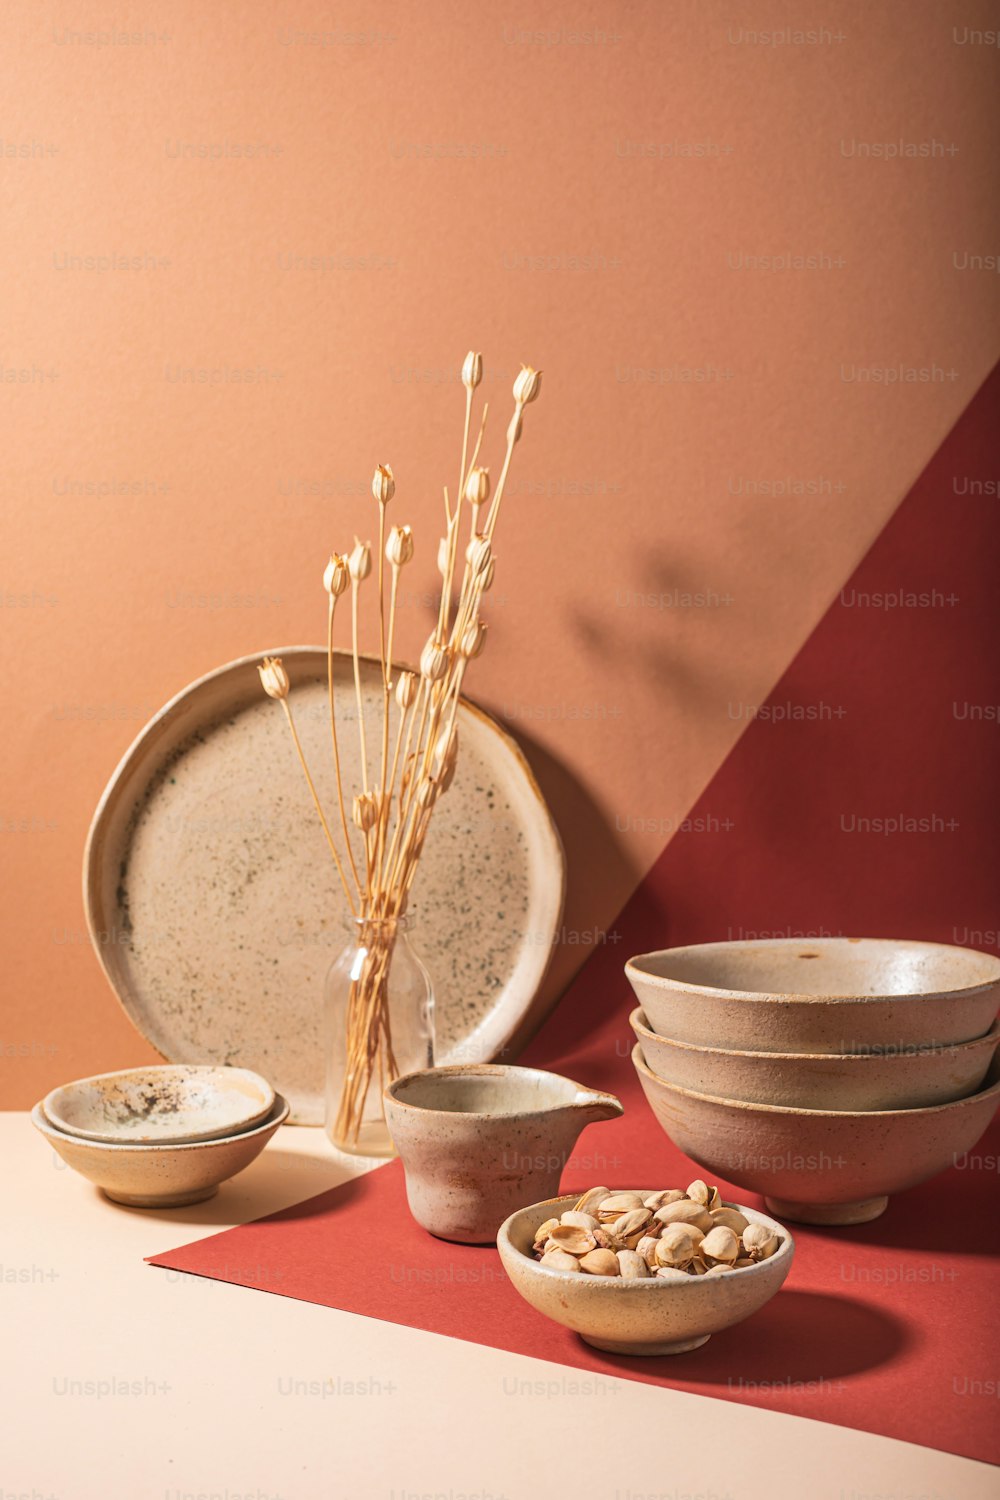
x=162, y=1200
x=624, y=1346
x=831, y=1214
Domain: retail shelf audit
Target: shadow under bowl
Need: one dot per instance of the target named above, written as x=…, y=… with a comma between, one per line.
x=818, y=994
x=648, y=1317
x=161, y=1176
x=818, y=1166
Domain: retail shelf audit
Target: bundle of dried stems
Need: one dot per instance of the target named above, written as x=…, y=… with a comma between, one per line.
x=393, y=810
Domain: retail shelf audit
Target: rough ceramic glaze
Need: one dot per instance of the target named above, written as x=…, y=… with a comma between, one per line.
x=818, y=994
x=822, y=1080
x=819, y=1166
x=648, y=1316
x=171, y=1102
x=161, y=1176
x=476, y=1142
x=214, y=907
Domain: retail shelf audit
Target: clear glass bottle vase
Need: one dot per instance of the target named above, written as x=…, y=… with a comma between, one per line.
x=379, y=1024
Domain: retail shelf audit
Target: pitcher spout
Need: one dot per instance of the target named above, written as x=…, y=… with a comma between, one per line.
x=590, y=1106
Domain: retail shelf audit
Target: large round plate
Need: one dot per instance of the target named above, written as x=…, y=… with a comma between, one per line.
x=215, y=909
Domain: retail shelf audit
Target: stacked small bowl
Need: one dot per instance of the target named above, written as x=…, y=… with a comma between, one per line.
x=823, y=1073
x=161, y=1136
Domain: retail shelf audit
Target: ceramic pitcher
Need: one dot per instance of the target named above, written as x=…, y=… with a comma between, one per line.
x=479, y=1142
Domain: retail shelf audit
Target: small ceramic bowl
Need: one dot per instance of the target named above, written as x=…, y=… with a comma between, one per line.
x=908, y=1079
x=818, y=1166
x=818, y=994
x=167, y=1103
x=652, y=1316
x=168, y=1176
x=477, y=1140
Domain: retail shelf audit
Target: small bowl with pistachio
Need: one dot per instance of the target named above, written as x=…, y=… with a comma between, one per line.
x=643, y=1270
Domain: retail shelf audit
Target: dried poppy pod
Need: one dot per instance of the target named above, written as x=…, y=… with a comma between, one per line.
x=336, y=575
x=274, y=678
x=406, y=690
x=399, y=546
x=434, y=660
x=360, y=561
x=473, y=641
x=478, y=554
x=365, y=811
x=527, y=385
x=477, y=486
x=383, y=484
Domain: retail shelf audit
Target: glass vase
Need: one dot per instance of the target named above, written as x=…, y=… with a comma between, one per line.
x=379, y=1014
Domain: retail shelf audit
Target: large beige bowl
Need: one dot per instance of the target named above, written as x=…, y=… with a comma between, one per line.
x=818, y=994
x=818, y=1166
x=651, y=1316
x=909, y=1079
x=145, y=1176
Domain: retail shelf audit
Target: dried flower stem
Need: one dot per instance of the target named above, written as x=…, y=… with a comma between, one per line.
x=318, y=805
x=355, y=589
x=395, y=816
x=336, y=746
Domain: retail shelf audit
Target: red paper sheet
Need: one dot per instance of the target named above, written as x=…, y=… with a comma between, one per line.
x=890, y=1327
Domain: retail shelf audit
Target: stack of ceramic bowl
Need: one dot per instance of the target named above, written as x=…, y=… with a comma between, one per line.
x=162, y=1136
x=823, y=1073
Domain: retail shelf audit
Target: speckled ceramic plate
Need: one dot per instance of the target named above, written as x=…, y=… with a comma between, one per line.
x=214, y=907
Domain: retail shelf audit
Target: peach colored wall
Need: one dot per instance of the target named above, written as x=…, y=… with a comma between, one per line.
x=573, y=185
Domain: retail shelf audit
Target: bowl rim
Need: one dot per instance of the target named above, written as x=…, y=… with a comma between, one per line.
x=982, y=1094
x=785, y=1251
x=639, y=1022
x=495, y=1070
x=268, y=1095
x=277, y=1115
x=633, y=966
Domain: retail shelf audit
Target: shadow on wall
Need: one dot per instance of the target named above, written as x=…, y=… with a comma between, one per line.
x=597, y=862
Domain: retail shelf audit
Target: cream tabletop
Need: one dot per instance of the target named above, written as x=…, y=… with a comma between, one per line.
x=123, y=1381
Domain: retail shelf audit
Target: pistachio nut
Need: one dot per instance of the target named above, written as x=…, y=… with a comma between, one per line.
x=731, y=1218
x=759, y=1242
x=676, y=1247
x=616, y=1204
x=632, y=1267
x=587, y=1202
x=580, y=1219
x=560, y=1260
x=570, y=1237
x=660, y=1200
x=600, y=1263
x=720, y=1244
x=685, y=1211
